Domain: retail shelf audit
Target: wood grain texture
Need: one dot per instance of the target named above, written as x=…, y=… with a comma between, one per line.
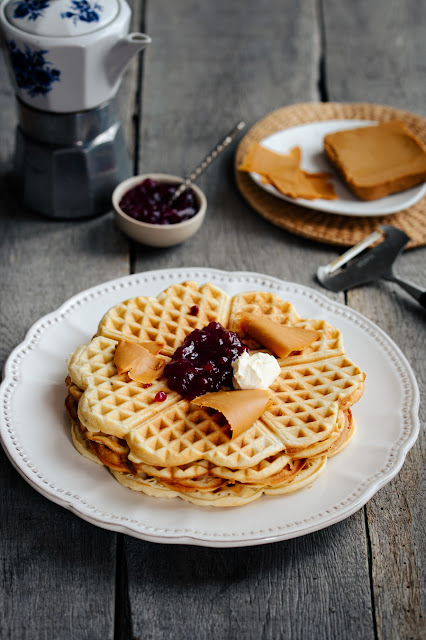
x=397, y=514
x=302, y=588
x=57, y=572
x=383, y=62
x=375, y=52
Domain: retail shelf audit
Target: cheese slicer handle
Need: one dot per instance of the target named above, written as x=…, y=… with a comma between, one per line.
x=415, y=291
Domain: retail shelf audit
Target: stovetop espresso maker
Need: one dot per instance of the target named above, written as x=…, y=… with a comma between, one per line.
x=66, y=59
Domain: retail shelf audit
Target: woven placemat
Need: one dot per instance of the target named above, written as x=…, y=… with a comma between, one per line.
x=317, y=225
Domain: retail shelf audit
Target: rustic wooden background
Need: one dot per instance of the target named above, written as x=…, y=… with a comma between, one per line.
x=210, y=64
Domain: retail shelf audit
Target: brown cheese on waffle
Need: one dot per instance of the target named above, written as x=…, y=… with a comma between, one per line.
x=281, y=339
x=138, y=361
x=241, y=408
x=163, y=445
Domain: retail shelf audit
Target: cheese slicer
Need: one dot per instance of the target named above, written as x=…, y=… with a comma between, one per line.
x=365, y=264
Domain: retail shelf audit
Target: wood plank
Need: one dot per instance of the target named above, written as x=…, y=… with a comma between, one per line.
x=302, y=588
x=128, y=94
x=225, y=62
x=374, y=52
x=58, y=572
x=397, y=514
x=384, y=64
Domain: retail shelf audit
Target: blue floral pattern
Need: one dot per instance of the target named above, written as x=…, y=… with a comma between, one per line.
x=82, y=10
x=33, y=72
x=31, y=9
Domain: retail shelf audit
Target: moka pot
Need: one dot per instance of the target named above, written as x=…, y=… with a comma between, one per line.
x=66, y=59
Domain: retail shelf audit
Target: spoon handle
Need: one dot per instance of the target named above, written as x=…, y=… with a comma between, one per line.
x=209, y=159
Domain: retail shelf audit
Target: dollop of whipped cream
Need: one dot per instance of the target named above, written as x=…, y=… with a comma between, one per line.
x=254, y=371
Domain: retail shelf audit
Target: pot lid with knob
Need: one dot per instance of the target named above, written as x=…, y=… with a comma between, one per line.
x=61, y=18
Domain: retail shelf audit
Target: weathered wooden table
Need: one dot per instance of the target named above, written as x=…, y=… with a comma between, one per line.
x=209, y=65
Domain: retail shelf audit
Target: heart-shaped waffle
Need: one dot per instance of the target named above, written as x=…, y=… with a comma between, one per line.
x=169, y=318
x=174, y=447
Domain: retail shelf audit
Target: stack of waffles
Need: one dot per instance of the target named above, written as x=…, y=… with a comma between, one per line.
x=176, y=448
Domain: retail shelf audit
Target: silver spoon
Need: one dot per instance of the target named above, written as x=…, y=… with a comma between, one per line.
x=208, y=160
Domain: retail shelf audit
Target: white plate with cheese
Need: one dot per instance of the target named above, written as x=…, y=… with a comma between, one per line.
x=309, y=137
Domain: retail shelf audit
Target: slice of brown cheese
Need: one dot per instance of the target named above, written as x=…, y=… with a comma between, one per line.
x=281, y=339
x=241, y=408
x=283, y=171
x=152, y=346
x=301, y=184
x=139, y=361
x=266, y=162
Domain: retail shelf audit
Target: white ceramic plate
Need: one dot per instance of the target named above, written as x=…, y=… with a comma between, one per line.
x=310, y=138
x=35, y=430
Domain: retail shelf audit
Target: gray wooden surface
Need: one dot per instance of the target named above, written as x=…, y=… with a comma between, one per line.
x=210, y=64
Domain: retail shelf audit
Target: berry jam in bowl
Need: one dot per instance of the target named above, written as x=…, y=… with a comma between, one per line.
x=144, y=210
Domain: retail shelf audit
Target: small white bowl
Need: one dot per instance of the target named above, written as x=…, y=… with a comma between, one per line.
x=157, y=235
